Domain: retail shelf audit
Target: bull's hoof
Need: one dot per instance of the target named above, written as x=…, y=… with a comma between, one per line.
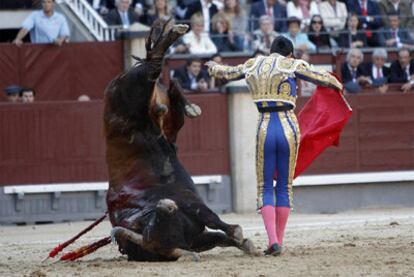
x=248, y=248
x=237, y=234
x=192, y=110
x=192, y=256
x=180, y=28
x=166, y=206
x=123, y=234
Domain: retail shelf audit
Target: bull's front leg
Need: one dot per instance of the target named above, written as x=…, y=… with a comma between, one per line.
x=179, y=107
x=209, y=240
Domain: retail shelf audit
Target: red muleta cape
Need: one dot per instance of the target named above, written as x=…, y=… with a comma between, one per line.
x=321, y=122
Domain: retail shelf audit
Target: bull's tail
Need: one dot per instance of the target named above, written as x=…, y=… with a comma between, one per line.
x=62, y=246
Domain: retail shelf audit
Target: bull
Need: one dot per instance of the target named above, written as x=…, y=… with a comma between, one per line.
x=154, y=208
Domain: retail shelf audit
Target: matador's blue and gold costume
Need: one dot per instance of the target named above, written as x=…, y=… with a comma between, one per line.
x=272, y=83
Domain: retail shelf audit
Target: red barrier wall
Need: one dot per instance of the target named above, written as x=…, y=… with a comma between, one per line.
x=62, y=142
x=55, y=142
x=61, y=73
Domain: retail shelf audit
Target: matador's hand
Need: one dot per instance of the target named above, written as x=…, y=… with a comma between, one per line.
x=210, y=64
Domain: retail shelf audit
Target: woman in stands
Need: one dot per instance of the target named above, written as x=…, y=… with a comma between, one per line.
x=221, y=35
x=352, y=36
x=302, y=9
x=197, y=40
x=159, y=9
x=238, y=21
x=318, y=34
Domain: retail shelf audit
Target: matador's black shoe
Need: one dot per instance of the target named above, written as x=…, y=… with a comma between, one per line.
x=274, y=250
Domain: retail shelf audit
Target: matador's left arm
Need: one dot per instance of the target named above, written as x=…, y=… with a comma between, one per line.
x=306, y=72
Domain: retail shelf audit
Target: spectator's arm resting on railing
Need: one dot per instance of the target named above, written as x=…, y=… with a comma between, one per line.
x=20, y=35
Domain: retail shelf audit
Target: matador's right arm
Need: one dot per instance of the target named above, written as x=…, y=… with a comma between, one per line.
x=230, y=72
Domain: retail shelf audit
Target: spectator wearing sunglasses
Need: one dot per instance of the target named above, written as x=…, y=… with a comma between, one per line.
x=318, y=34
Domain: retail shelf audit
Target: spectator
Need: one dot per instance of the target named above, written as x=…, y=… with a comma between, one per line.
x=306, y=88
x=394, y=36
x=376, y=70
x=302, y=9
x=369, y=16
x=300, y=40
x=27, y=95
x=123, y=14
x=402, y=70
x=45, y=26
x=220, y=35
x=352, y=36
x=270, y=8
x=334, y=14
x=238, y=20
x=191, y=76
x=400, y=7
x=352, y=72
x=197, y=40
x=318, y=34
x=262, y=38
x=13, y=93
x=204, y=7
x=99, y=6
x=159, y=9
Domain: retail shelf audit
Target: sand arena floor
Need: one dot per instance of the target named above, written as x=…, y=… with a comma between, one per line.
x=359, y=243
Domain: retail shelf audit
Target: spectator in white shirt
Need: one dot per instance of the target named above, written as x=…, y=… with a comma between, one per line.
x=302, y=9
x=334, y=15
x=198, y=41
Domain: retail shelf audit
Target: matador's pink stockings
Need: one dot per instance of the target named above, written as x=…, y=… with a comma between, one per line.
x=282, y=214
x=269, y=220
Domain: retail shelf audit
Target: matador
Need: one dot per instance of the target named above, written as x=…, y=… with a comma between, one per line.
x=272, y=84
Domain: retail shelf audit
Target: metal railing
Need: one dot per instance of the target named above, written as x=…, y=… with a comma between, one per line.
x=91, y=19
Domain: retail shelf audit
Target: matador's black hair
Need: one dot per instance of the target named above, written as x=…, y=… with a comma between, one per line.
x=282, y=45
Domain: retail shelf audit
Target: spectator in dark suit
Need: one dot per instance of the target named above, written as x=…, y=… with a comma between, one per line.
x=394, y=36
x=401, y=7
x=192, y=76
x=352, y=72
x=271, y=8
x=205, y=7
x=376, y=70
x=369, y=16
x=352, y=36
x=122, y=15
x=402, y=70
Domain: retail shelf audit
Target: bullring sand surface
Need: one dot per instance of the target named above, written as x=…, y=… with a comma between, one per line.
x=358, y=243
